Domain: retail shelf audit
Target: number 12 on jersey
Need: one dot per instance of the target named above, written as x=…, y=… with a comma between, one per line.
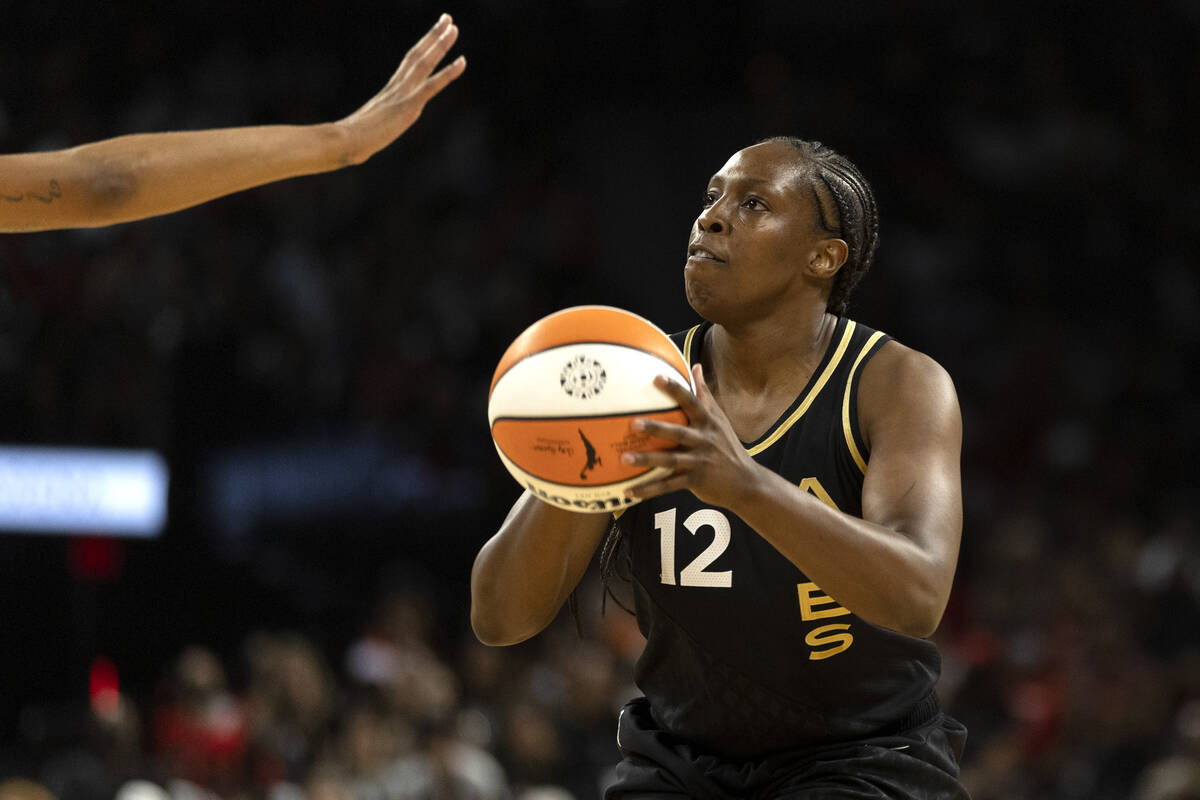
x=826, y=640
x=696, y=572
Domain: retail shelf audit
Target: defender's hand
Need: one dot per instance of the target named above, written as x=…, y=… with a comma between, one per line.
x=398, y=105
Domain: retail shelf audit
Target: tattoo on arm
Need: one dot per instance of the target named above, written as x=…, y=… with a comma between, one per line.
x=54, y=193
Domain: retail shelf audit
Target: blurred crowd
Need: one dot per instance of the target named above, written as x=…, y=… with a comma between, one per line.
x=1038, y=238
x=395, y=717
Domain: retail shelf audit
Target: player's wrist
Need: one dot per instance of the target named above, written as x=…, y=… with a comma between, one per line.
x=340, y=144
x=751, y=490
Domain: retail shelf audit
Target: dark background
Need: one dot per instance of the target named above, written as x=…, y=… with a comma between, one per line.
x=312, y=358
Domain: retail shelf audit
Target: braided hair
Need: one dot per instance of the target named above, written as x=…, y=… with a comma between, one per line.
x=846, y=208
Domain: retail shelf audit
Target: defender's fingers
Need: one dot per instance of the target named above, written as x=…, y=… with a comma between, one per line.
x=442, y=78
x=431, y=36
x=422, y=45
x=424, y=63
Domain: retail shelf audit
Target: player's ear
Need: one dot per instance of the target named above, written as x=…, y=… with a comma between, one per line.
x=830, y=255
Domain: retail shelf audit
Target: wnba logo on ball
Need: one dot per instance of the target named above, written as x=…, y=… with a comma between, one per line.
x=582, y=377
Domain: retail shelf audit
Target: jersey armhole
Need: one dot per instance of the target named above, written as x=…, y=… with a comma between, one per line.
x=850, y=423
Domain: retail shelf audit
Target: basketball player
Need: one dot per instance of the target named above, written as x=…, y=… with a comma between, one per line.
x=788, y=570
x=144, y=175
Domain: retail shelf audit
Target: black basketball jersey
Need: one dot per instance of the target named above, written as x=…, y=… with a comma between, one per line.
x=745, y=656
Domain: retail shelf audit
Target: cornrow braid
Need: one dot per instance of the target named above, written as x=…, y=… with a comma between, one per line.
x=614, y=565
x=839, y=187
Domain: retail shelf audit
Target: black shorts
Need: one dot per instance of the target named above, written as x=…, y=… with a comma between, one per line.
x=920, y=763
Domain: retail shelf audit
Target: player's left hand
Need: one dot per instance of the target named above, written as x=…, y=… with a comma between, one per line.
x=709, y=460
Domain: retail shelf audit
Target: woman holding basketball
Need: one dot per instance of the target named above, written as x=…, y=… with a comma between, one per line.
x=787, y=570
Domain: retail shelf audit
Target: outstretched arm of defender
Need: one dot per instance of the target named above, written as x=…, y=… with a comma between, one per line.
x=144, y=175
x=524, y=574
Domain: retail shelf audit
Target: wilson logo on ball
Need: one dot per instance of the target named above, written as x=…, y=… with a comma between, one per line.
x=564, y=451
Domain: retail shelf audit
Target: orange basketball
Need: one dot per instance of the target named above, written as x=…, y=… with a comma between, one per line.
x=564, y=395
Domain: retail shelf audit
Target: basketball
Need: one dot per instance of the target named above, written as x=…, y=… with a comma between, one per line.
x=563, y=397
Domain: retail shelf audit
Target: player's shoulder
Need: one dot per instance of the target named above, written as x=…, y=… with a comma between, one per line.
x=902, y=378
x=897, y=360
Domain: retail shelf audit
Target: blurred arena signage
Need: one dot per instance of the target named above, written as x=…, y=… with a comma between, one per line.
x=78, y=490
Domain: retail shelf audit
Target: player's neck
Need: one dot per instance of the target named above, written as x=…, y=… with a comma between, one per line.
x=753, y=357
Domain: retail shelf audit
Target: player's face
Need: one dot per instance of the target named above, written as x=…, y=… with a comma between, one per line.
x=756, y=230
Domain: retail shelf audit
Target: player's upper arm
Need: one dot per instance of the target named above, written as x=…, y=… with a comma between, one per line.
x=912, y=426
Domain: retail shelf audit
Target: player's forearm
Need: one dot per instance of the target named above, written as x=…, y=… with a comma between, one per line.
x=141, y=175
x=879, y=573
x=524, y=574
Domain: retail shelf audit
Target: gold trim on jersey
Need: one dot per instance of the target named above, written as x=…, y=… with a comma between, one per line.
x=783, y=427
x=687, y=344
x=812, y=394
x=857, y=456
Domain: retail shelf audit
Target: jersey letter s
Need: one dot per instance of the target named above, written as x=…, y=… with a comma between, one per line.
x=836, y=637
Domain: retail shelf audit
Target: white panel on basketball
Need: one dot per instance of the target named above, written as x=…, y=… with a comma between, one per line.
x=533, y=387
